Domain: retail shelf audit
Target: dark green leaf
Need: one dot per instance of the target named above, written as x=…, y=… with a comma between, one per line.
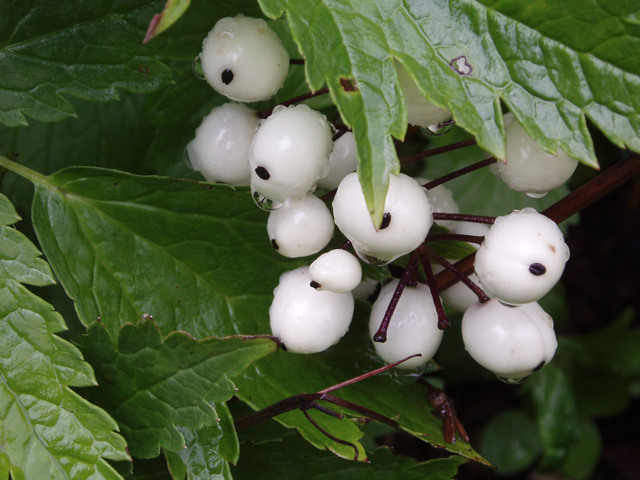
x=452, y=250
x=153, y=385
x=295, y=460
x=585, y=453
x=511, y=442
x=208, y=450
x=554, y=409
x=194, y=256
x=88, y=50
x=46, y=429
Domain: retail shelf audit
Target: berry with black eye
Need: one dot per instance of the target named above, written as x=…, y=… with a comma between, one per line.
x=226, y=76
x=442, y=201
x=343, y=161
x=406, y=203
x=293, y=145
x=413, y=327
x=386, y=220
x=522, y=257
x=302, y=227
x=220, y=150
x=511, y=342
x=262, y=173
x=337, y=271
x=528, y=167
x=307, y=320
x=243, y=59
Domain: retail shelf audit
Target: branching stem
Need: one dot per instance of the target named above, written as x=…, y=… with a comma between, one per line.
x=437, y=151
x=443, y=321
x=459, y=173
x=300, y=98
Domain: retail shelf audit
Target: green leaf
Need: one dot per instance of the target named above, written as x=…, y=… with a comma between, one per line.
x=396, y=396
x=46, y=429
x=89, y=50
x=276, y=460
x=555, y=413
x=452, y=250
x=584, y=454
x=208, y=451
x=511, y=442
x=551, y=86
x=194, y=256
x=153, y=385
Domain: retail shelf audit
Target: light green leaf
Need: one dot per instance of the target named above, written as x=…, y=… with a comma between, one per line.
x=89, y=50
x=511, y=55
x=170, y=14
x=208, y=451
x=153, y=385
x=295, y=460
x=46, y=429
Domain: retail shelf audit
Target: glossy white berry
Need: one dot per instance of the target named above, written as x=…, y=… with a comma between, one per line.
x=420, y=111
x=442, y=201
x=522, y=257
x=220, y=150
x=337, y=271
x=243, y=59
x=530, y=169
x=406, y=221
x=343, y=161
x=512, y=342
x=308, y=321
x=302, y=227
x=290, y=153
x=413, y=327
x=365, y=289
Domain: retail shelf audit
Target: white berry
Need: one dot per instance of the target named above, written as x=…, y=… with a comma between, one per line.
x=522, y=257
x=343, y=161
x=442, y=201
x=220, y=150
x=406, y=221
x=243, y=59
x=308, y=321
x=512, y=342
x=528, y=168
x=413, y=327
x=420, y=111
x=337, y=271
x=290, y=152
x=302, y=227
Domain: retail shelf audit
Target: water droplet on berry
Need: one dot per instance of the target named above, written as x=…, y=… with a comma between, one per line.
x=278, y=108
x=263, y=202
x=438, y=129
x=512, y=381
x=536, y=195
x=197, y=68
x=333, y=128
x=406, y=377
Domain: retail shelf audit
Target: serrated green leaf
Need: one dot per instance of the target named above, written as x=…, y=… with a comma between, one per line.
x=514, y=56
x=153, y=385
x=208, y=451
x=283, y=459
x=194, y=256
x=270, y=381
x=46, y=429
x=88, y=50
x=555, y=413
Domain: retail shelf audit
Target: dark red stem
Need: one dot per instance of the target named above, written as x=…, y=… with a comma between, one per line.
x=296, y=61
x=300, y=98
x=482, y=297
x=437, y=151
x=459, y=173
x=409, y=272
x=459, y=217
x=443, y=321
x=456, y=237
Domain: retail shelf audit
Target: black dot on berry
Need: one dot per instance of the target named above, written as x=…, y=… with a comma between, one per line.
x=274, y=244
x=386, y=220
x=227, y=76
x=314, y=284
x=537, y=269
x=539, y=366
x=263, y=173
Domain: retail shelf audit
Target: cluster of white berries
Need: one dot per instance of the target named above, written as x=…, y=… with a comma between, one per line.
x=286, y=156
